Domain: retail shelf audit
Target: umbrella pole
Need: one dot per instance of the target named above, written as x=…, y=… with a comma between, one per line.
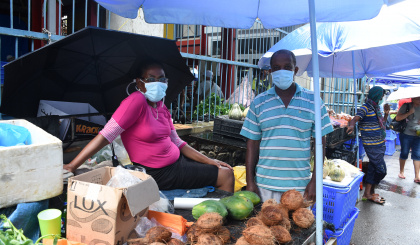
x=318, y=135
x=355, y=111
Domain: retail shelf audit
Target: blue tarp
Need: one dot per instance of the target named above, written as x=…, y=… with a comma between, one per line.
x=243, y=13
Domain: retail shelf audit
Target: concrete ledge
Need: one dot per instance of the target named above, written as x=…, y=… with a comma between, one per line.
x=194, y=128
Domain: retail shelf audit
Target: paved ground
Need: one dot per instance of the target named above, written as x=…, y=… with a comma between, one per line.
x=397, y=222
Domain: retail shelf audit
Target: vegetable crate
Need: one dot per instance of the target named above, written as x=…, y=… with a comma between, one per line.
x=228, y=127
x=390, y=147
x=340, y=202
x=345, y=152
x=343, y=234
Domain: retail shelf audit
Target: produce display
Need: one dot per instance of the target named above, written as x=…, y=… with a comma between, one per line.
x=235, y=112
x=336, y=169
x=272, y=224
x=208, y=230
x=252, y=196
x=209, y=206
x=238, y=207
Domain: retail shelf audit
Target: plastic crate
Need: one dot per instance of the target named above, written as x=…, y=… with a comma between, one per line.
x=343, y=234
x=346, y=152
x=228, y=127
x=390, y=135
x=390, y=147
x=339, y=202
x=397, y=140
x=351, y=142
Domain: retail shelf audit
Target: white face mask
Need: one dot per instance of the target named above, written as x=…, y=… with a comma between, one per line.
x=155, y=91
x=283, y=79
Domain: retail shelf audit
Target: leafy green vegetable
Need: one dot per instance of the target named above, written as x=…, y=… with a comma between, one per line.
x=14, y=236
x=213, y=105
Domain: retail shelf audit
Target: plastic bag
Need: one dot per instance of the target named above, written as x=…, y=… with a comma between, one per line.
x=243, y=94
x=105, y=154
x=122, y=179
x=163, y=205
x=12, y=135
x=240, y=177
x=145, y=224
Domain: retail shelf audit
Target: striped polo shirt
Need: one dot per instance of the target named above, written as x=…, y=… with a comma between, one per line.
x=285, y=135
x=370, y=130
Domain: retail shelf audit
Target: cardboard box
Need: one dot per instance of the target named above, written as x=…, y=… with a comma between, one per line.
x=30, y=173
x=99, y=214
x=84, y=126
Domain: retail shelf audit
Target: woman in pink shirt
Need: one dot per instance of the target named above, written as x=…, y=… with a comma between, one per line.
x=147, y=132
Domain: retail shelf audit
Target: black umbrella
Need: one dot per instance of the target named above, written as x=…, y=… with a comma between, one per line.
x=92, y=66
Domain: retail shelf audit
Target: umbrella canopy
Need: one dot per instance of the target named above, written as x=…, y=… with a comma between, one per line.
x=92, y=66
x=410, y=76
x=405, y=92
x=383, y=45
x=243, y=13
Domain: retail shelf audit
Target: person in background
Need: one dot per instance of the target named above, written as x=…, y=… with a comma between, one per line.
x=263, y=83
x=279, y=126
x=207, y=87
x=151, y=141
x=410, y=139
x=403, y=101
x=372, y=128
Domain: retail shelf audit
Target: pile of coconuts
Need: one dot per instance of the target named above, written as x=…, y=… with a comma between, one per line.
x=157, y=235
x=208, y=230
x=272, y=225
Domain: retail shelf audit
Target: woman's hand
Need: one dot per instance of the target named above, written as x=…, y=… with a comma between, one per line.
x=219, y=164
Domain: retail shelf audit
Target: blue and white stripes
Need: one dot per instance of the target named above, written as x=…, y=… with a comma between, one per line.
x=285, y=135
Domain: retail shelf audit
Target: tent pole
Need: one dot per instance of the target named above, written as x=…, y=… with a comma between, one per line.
x=318, y=135
x=356, y=131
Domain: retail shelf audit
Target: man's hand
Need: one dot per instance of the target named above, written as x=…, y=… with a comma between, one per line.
x=387, y=108
x=253, y=187
x=350, y=129
x=310, y=191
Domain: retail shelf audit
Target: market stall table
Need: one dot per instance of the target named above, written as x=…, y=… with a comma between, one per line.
x=299, y=236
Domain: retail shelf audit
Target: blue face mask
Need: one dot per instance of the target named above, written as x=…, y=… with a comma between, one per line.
x=283, y=79
x=155, y=91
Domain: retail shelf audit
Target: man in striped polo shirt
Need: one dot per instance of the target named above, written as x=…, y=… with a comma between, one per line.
x=279, y=126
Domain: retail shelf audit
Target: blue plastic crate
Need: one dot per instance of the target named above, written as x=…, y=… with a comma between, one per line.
x=390, y=147
x=390, y=135
x=343, y=234
x=397, y=140
x=338, y=203
x=348, y=144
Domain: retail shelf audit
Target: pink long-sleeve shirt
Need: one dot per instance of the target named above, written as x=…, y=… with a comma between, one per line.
x=147, y=133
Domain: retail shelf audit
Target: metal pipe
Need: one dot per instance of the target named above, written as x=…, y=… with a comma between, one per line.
x=97, y=16
x=11, y=14
x=86, y=10
x=318, y=135
x=72, y=19
x=29, y=15
x=59, y=18
x=355, y=107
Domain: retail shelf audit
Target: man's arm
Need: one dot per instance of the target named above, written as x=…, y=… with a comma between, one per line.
x=352, y=123
x=251, y=160
x=310, y=191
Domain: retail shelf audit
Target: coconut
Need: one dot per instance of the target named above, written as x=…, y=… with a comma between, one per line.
x=271, y=215
x=209, y=239
x=157, y=243
x=137, y=241
x=158, y=234
x=175, y=241
x=281, y=234
x=210, y=222
x=254, y=221
x=303, y=218
x=292, y=199
x=286, y=223
x=283, y=210
x=259, y=235
x=223, y=234
x=268, y=203
x=242, y=241
x=193, y=233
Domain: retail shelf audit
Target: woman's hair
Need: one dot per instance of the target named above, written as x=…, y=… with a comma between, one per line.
x=146, y=65
x=376, y=93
